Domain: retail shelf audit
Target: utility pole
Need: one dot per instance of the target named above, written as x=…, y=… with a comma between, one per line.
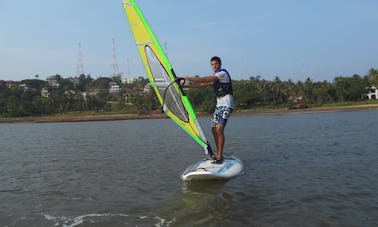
x=115, y=63
x=128, y=66
x=80, y=67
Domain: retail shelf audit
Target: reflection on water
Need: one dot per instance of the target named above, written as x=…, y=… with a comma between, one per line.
x=203, y=187
x=203, y=203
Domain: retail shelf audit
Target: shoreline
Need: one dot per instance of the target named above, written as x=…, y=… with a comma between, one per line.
x=81, y=118
x=309, y=110
x=115, y=117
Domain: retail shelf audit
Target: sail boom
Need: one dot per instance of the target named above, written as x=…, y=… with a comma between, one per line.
x=144, y=43
x=126, y=3
x=165, y=84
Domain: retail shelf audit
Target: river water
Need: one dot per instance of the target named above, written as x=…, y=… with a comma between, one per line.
x=305, y=169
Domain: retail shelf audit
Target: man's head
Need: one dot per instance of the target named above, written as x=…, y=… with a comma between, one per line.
x=216, y=63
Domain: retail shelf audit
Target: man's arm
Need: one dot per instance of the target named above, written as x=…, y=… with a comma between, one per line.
x=201, y=81
x=208, y=79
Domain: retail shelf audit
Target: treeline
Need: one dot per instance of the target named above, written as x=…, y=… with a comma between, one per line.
x=71, y=95
x=87, y=94
x=277, y=93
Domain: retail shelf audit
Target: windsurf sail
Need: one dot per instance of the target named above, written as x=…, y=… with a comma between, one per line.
x=162, y=78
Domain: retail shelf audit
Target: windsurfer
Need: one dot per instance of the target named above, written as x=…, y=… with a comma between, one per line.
x=221, y=82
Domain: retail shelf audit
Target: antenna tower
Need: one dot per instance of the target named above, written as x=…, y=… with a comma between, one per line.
x=115, y=63
x=80, y=67
x=128, y=66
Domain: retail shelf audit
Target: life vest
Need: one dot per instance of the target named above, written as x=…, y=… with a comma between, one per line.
x=222, y=89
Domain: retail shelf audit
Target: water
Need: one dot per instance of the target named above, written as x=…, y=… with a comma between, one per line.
x=313, y=169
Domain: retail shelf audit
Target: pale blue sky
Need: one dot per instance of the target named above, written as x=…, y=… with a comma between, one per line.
x=292, y=39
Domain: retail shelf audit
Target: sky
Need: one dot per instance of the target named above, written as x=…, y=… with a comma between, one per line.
x=289, y=39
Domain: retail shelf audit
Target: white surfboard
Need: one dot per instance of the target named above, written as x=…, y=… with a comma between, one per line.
x=206, y=170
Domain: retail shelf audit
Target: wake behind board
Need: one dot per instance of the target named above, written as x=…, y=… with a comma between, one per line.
x=206, y=170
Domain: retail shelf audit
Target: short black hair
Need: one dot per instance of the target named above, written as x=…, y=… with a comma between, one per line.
x=216, y=58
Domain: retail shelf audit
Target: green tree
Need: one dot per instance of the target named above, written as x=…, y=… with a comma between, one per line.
x=277, y=90
x=84, y=83
x=373, y=77
x=202, y=99
x=102, y=83
x=34, y=84
x=245, y=92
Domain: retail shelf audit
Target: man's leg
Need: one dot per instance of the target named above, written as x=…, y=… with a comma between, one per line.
x=218, y=134
x=220, y=117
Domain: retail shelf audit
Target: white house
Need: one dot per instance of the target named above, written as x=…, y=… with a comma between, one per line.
x=114, y=87
x=45, y=93
x=373, y=93
x=128, y=80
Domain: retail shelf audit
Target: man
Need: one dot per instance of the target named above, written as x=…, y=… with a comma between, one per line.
x=221, y=82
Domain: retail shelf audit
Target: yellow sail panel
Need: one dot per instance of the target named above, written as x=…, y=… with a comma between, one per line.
x=140, y=32
x=161, y=75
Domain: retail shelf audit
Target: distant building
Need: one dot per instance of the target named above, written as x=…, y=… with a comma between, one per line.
x=70, y=92
x=146, y=89
x=114, y=87
x=294, y=99
x=45, y=93
x=88, y=93
x=128, y=80
x=373, y=93
x=53, y=82
x=24, y=86
x=10, y=84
